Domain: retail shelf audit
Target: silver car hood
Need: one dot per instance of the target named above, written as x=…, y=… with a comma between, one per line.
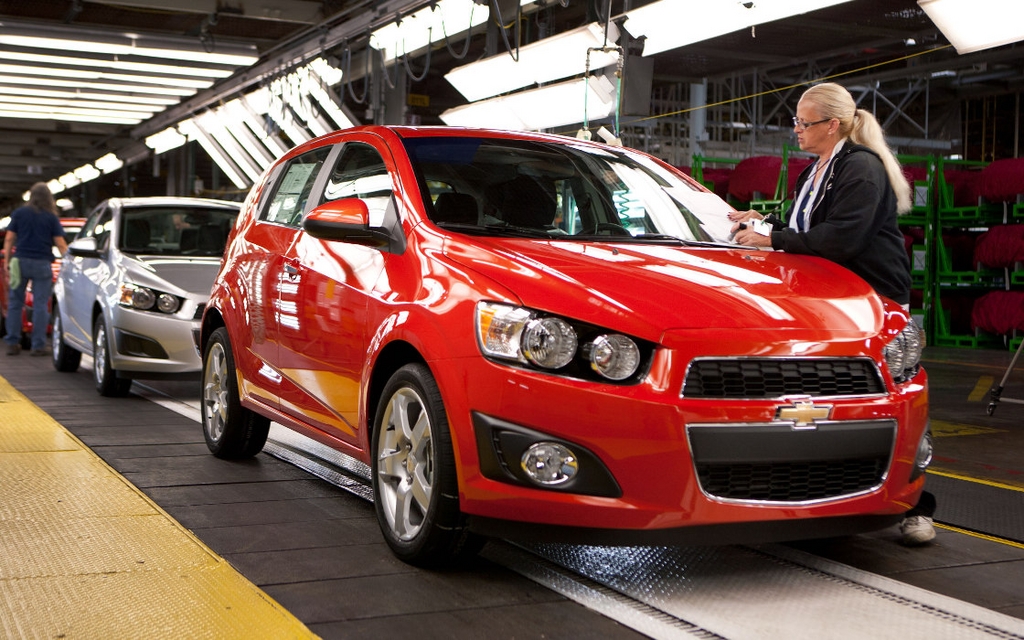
x=178, y=275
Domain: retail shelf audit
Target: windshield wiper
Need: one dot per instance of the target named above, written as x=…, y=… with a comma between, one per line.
x=497, y=230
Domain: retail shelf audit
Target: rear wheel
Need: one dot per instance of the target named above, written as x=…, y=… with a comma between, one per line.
x=231, y=430
x=416, y=493
x=65, y=359
x=107, y=382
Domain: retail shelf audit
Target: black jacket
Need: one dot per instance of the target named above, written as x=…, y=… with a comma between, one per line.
x=854, y=223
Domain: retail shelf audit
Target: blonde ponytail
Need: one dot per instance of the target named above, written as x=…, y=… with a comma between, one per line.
x=834, y=101
x=868, y=132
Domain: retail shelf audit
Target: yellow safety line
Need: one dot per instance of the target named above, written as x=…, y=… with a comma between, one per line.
x=991, y=483
x=981, y=389
x=981, y=536
x=83, y=552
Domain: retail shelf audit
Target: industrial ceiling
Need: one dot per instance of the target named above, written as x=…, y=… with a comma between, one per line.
x=866, y=42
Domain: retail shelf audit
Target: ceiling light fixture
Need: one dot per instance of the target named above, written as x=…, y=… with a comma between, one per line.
x=669, y=24
x=108, y=163
x=166, y=140
x=550, y=106
x=96, y=68
x=426, y=26
x=974, y=25
x=194, y=132
x=544, y=61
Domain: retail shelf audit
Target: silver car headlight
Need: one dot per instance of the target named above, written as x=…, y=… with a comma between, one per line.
x=903, y=353
x=146, y=299
x=517, y=335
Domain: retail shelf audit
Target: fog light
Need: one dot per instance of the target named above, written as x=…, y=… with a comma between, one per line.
x=924, y=455
x=549, y=463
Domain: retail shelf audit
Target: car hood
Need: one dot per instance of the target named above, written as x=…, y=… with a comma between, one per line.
x=181, y=276
x=649, y=289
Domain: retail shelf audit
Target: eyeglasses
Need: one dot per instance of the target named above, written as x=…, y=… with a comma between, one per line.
x=801, y=125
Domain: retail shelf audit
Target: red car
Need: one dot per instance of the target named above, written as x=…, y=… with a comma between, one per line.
x=538, y=336
x=71, y=228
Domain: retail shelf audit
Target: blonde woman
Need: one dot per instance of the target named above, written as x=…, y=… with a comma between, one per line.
x=848, y=200
x=845, y=210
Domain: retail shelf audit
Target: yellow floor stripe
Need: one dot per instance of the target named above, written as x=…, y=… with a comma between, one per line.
x=981, y=536
x=981, y=389
x=990, y=483
x=85, y=554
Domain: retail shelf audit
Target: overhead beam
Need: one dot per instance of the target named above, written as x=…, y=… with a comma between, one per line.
x=301, y=11
x=351, y=24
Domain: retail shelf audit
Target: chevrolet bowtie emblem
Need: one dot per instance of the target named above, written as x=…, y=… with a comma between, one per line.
x=802, y=414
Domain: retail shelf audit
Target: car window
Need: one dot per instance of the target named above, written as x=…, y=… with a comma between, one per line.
x=98, y=226
x=176, y=230
x=360, y=172
x=494, y=186
x=293, y=189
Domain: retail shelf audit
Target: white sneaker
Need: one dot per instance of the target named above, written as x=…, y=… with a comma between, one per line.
x=917, y=530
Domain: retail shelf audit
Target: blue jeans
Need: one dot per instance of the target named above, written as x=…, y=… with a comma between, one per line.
x=39, y=273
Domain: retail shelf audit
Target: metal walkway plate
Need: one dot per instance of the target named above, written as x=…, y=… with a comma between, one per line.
x=85, y=554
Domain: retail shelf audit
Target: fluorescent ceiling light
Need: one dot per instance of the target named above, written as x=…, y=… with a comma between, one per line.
x=69, y=180
x=90, y=75
x=99, y=86
x=321, y=75
x=134, y=46
x=55, y=186
x=166, y=140
x=221, y=159
x=97, y=68
x=86, y=172
x=240, y=112
x=668, y=24
x=973, y=25
x=138, y=67
x=215, y=126
x=427, y=25
x=144, y=110
x=108, y=163
x=541, y=62
x=264, y=103
x=68, y=115
x=554, y=105
x=157, y=102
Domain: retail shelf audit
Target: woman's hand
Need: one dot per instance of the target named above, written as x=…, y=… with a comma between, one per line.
x=750, y=238
x=743, y=230
x=743, y=216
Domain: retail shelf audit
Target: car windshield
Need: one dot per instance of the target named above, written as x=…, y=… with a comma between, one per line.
x=567, y=191
x=176, y=231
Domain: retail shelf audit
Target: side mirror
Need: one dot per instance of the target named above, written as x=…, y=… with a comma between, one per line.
x=84, y=248
x=345, y=220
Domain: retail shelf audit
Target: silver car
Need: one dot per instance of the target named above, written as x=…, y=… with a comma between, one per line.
x=133, y=286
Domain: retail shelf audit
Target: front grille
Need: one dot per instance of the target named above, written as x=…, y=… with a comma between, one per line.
x=774, y=462
x=778, y=377
x=791, y=481
x=198, y=315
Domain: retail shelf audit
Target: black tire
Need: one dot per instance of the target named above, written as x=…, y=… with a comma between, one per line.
x=65, y=359
x=107, y=382
x=232, y=432
x=415, y=482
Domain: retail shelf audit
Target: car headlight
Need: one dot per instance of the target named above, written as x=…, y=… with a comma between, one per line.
x=146, y=299
x=903, y=353
x=614, y=356
x=527, y=337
